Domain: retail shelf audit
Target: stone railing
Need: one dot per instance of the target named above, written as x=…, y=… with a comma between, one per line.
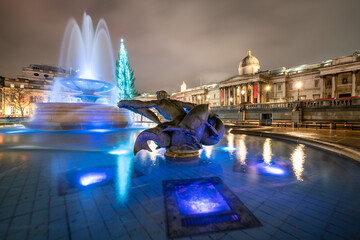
x=329, y=102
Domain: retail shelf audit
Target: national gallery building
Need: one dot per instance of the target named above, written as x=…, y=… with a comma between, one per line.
x=331, y=79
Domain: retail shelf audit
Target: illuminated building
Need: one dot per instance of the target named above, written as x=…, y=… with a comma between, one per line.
x=335, y=78
x=33, y=86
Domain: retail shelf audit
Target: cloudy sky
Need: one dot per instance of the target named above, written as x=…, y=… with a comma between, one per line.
x=170, y=41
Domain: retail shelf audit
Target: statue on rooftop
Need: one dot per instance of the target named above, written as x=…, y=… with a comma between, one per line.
x=188, y=126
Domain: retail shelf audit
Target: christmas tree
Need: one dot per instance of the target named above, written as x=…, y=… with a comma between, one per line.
x=124, y=75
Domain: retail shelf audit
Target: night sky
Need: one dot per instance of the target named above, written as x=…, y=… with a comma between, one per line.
x=185, y=40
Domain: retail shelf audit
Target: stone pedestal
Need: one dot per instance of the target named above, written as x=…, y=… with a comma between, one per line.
x=182, y=155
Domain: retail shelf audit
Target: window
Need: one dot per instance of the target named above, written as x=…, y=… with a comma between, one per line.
x=31, y=99
x=291, y=99
x=12, y=85
x=303, y=97
x=46, y=75
x=329, y=83
x=41, y=99
x=36, y=99
x=329, y=96
x=278, y=86
x=21, y=85
x=344, y=81
x=12, y=98
x=36, y=74
x=12, y=110
x=290, y=86
x=316, y=83
x=316, y=96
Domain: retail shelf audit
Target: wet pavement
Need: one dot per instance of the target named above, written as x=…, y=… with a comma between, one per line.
x=331, y=139
x=294, y=190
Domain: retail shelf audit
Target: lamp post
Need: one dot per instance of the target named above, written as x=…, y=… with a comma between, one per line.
x=298, y=86
x=267, y=93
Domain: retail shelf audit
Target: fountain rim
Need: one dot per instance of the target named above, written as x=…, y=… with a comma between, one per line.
x=76, y=80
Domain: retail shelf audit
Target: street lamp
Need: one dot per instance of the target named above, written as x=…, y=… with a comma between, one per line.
x=267, y=93
x=298, y=86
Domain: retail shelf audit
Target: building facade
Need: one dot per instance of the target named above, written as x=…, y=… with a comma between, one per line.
x=19, y=95
x=332, y=79
x=206, y=94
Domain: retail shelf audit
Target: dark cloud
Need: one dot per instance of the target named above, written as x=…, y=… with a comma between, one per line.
x=190, y=40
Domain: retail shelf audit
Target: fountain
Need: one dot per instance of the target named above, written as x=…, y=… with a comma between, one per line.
x=86, y=98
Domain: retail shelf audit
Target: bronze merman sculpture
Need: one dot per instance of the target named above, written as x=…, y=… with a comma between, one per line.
x=188, y=127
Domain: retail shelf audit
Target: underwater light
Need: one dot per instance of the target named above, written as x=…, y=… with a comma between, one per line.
x=119, y=152
x=92, y=178
x=274, y=170
x=100, y=130
x=228, y=149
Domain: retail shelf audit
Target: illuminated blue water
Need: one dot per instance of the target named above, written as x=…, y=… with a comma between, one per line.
x=292, y=180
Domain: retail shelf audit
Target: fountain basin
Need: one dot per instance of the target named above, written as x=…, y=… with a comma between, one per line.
x=68, y=116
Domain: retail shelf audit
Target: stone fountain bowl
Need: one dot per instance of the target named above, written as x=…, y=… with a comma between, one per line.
x=72, y=116
x=86, y=85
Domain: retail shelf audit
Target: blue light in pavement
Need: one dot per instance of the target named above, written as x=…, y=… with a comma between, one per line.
x=200, y=198
x=92, y=178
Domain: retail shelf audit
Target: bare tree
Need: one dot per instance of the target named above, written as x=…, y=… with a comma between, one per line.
x=18, y=98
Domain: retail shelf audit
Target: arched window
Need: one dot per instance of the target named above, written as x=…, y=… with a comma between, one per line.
x=36, y=99
x=329, y=83
x=31, y=99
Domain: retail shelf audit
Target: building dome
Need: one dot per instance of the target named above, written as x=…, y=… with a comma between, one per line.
x=249, y=65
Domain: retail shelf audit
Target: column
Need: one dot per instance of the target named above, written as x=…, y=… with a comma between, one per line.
x=234, y=95
x=333, y=85
x=353, y=85
x=259, y=93
x=284, y=91
x=246, y=92
x=321, y=83
x=252, y=93
x=229, y=96
x=240, y=95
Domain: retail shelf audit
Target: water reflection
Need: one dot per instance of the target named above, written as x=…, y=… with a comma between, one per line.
x=124, y=169
x=242, y=150
x=298, y=158
x=267, y=153
x=230, y=144
x=153, y=153
x=208, y=151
